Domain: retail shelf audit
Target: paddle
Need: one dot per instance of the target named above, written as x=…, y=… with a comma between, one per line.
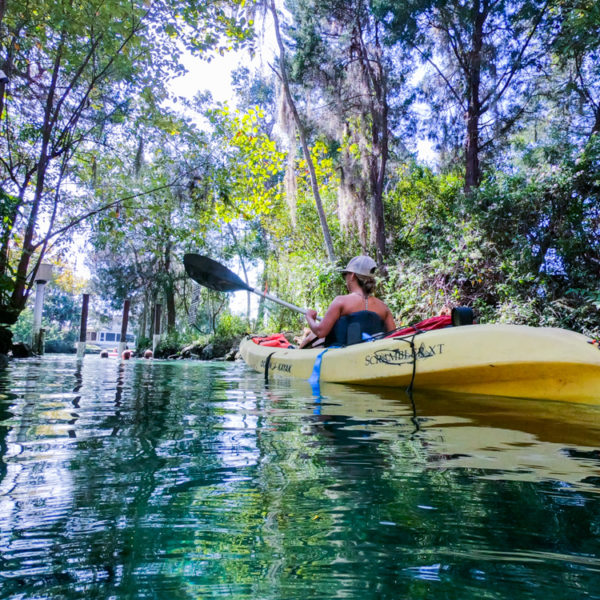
x=215, y=276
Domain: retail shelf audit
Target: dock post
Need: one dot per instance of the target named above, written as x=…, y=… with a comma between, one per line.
x=156, y=337
x=42, y=276
x=83, y=328
x=124, y=322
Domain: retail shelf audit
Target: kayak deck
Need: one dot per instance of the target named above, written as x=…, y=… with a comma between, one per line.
x=500, y=360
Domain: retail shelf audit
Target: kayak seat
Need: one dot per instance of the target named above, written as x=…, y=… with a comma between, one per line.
x=462, y=315
x=355, y=328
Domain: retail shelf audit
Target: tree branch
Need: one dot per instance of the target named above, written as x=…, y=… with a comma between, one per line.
x=446, y=81
x=497, y=91
x=98, y=210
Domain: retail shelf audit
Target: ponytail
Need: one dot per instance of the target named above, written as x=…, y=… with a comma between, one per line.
x=367, y=284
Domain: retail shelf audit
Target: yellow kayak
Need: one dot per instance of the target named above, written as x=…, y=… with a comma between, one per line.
x=496, y=360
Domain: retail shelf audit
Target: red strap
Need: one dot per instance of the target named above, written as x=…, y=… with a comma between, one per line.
x=438, y=322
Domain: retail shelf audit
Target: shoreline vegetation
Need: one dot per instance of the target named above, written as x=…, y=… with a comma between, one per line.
x=208, y=349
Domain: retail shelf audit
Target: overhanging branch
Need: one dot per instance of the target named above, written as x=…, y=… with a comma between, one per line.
x=91, y=213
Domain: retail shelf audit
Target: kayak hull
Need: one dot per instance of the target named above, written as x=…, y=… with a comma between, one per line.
x=497, y=360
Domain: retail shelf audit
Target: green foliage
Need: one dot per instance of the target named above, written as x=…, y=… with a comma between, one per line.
x=143, y=343
x=523, y=249
x=420, y=207
x=23, y=328
x=169, y=345
x=249, y=181
x=231, y=326
x=60, y=320
x=60, y=340
x=230, y=329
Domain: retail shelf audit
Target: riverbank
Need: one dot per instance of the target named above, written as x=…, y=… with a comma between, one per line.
x=210, y=350
x=225, y=349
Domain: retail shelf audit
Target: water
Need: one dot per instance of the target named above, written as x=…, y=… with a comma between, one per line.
x=195, y=480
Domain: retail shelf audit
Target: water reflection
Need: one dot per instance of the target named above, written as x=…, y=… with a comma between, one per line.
x=190, y=479
x=502, y=437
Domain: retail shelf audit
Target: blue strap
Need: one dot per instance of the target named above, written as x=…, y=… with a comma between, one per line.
x=315, y=376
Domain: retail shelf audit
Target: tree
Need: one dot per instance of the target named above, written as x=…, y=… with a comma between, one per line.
x=483, y=60
x=577, y=46
x=354, y=88
x=140, y=244
x=72, y=71
x=70, y=76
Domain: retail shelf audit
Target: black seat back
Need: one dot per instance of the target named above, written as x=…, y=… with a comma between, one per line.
x=462, y=315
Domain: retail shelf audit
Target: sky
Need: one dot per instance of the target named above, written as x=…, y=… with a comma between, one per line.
x=214, y=76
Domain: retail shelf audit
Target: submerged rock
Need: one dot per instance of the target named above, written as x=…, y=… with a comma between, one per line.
x=217, y=349
x=233, y=354
x=192, y=350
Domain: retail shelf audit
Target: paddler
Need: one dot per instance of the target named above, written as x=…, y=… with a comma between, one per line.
x=356, y=316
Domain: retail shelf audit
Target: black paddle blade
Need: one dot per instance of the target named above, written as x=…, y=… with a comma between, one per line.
x=211, y=274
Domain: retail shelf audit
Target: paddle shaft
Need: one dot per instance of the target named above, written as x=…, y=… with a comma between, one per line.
x=279, y=301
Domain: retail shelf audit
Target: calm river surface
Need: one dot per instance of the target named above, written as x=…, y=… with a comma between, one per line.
x=151, y=479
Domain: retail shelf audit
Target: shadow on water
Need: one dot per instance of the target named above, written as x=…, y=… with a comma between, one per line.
x=188, y=479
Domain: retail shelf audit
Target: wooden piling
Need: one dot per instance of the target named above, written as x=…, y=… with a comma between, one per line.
x=124, y=322
x=83, y=326
x=156, y=337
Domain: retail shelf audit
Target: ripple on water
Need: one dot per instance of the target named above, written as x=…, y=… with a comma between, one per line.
x=190, y=479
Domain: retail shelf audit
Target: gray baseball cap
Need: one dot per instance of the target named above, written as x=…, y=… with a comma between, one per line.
x=361, y=265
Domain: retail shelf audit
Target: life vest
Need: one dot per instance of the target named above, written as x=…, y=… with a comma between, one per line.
x=354, y=328
x=277, y=340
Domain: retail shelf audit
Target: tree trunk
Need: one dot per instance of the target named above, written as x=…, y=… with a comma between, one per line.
x=596, y=127
x=301, y=134
x=169, y=290
x=260, y=313
x=21, y=288
x=243, y=265
x=20, y=291
x=472, y=168
x=380, y=141
x=142, y=321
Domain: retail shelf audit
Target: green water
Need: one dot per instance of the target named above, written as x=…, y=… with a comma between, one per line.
x=196, y=480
